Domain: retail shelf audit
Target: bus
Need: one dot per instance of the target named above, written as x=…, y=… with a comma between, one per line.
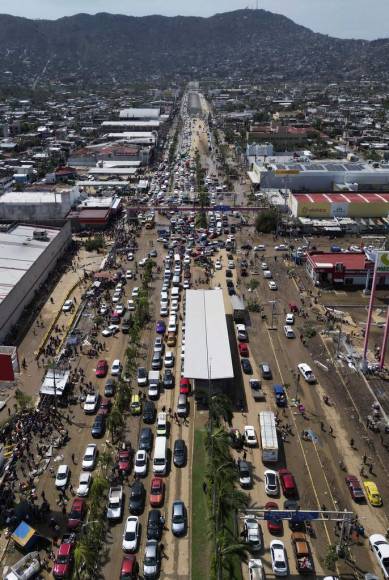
x=268, y=436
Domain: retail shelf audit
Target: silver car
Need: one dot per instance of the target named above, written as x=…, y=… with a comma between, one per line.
x=178, y=518
x=151, y=560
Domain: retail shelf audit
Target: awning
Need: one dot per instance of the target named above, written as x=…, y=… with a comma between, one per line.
x=254, y=177
x=54, y=383
x=23, y=534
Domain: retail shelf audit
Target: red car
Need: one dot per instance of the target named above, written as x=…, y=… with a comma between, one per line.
x=105, y=406
x=288, y=483
x=275, y=527
x=130, y=568
x=355, y=488
x=63, y=563
x=157, y=492
x=243, y=349
x=77, y=513
x=124, y=461
x=184, y=386
x=101, y=369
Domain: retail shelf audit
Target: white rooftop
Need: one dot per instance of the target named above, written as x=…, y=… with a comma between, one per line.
x=133, y=113
x=145, y=123
x=18, y=252
x=207, y=347
x=113, y=171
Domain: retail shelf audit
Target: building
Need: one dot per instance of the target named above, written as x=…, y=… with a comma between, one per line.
x=140, y=114
x=94, y=213
x=329, y=205
x=38, y=206
x=89, y=156
x=28, y=255
x=342, y=269
x=323, y=176
x=207, y=347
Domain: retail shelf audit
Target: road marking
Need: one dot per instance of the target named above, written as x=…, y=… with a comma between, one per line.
x=299, y=440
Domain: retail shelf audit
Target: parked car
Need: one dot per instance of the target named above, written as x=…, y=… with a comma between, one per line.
x=137, y=498
x=307, y=373
x=168, y=379
x=185, y=386
x=274, y=526
x=109, y=388
x=146, y=439
x=157, y=492
x=141, y=463
x=355, y=488
x=131, y=534
x=179, y=453
x=252, y=533
x=380, y=547
x=124, y=461
x=101, y=368
x=76, y=514
x=90, y=403
x=279, y=560
x=266, y=370
x=245, y=475
x=129, y=569
x=141, y=377
x=155, y=525
x=179, y=518
x=288, y=484
x=272, y=487
x=64, y=560
x=246, y=366
x=90, y=457
x=250, y=436
x=98, y=427
x=84, y=483
x=372, y=493
x=151, y=560
x=62, y=476
x=243, y=349
x=149, y=412
x=116, y=368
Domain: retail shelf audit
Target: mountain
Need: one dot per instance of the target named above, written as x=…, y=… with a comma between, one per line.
x=254, y=44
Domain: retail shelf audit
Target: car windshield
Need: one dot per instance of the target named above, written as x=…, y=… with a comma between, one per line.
x=62, y=559
x=130, y=536
x=280, y=564
x=150, y=561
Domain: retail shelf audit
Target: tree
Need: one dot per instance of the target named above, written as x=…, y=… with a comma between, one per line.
x=23, y=401
x=225, y=548
x=220, y=407
x=217, y=445
x=266, y=221
x=105, y=462
x=94, y=244
x=84, y=558
x=115, y=422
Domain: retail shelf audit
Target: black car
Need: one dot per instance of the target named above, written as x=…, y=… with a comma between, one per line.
x=230, y=284
x=155, y=525
x=98, y=427
x=145, y=439
x=294, y=525
x=149, y=412
x=168, y=379
x=228, y=274
x=156, y=363
x=246, y=366
x=109, y=388
x=179, y=453
x=141, y=376
x=231, y=291
x=137, y=498
x=246, y=246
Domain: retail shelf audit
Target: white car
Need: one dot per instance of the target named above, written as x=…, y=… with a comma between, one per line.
x=169, y=360
x=84, y=484
x=116, y=297
x=131, y=534
x=380, y=546
x=256, y=571
x=130, y=257
x=279, y=561
x=153, y=391
x=174, y=306
x=218, y=265
x=267, y=274
x=307, y=373
x=129, y=274
x=90, y=403
x=140, y=463
x=131, y=305
x=271, y=482
x=62, y=476
x=273, y=285
x=231, y=264
x=186, y=284
x=172, y=327
x=289, y=319
x=281, y=247
x=164, y=311
x=259, y=248
x=119, y=309
x=68, y=305
x=103, y=309
x=111, y=330
x=289, y=332
x=252, y=533
x=116, y=368
x=135, y=292
x=264, y=266
x=250, y=436
x=90, y=456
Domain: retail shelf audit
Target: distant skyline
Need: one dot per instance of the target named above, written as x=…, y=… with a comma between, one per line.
x=341, y=18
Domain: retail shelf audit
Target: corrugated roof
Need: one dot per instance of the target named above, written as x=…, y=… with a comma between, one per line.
x=207, y=347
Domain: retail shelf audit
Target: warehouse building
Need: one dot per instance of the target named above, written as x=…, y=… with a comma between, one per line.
x=28, y=254
x=38, y=206
x=323, y=176
x=339, y=205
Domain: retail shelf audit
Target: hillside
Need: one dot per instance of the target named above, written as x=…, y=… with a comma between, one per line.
x=117, y=48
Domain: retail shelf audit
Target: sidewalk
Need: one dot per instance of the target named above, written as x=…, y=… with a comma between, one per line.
x=30, y=378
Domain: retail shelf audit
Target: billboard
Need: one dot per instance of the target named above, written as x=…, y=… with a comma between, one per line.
x=382, y=262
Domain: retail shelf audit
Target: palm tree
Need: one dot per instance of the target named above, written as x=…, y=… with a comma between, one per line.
x=105, y=462
x=84, y=559
x=226, y=547
x=115, y=422
x=220, y=407
x=217, y=445
x=123, y=396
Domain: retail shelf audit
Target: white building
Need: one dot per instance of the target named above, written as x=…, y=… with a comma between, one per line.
x=37, y=206
x=28, y=255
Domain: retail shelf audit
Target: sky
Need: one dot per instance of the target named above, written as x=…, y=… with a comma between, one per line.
x=342, y=18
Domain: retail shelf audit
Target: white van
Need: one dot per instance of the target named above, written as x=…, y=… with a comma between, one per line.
x=175, y=294
x=164, y=297
x=176, y=281
x=267, y=274
x=160, y=456
x=289, y=332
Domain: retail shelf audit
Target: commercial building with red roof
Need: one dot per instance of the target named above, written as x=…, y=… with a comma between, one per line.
x=342, y=268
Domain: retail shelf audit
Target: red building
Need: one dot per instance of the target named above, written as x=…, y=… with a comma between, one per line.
x=343, y=268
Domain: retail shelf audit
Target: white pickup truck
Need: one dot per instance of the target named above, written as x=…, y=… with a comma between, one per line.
x=115, y=503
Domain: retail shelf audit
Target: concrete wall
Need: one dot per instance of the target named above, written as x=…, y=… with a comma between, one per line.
x=24, y=292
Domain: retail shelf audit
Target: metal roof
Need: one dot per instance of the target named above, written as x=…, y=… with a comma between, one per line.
x=207, y=347
x=18, y=252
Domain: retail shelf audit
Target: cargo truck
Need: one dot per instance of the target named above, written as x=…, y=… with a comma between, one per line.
x=268, y=436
